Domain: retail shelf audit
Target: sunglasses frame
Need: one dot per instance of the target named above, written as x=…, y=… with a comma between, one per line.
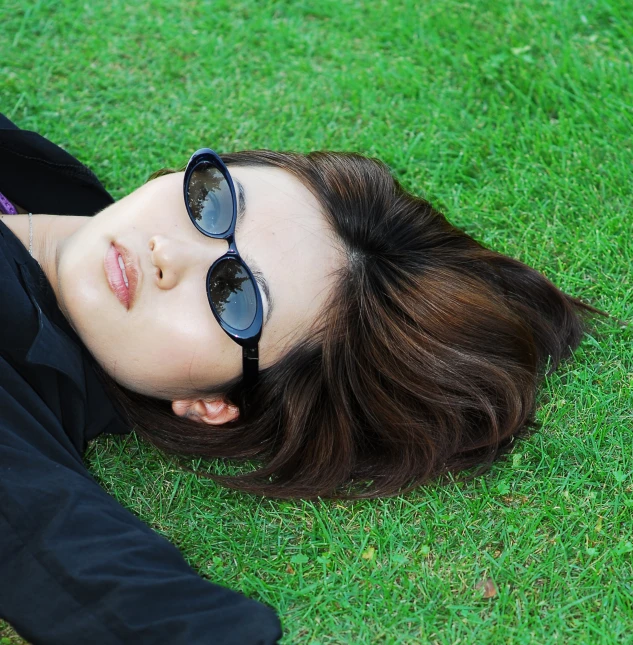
x=248, y=338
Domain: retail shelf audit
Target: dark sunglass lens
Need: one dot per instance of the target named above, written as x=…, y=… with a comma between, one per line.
x=210, y=200
x=232, y=293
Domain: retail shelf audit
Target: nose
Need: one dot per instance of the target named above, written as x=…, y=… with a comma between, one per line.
x=175, y=258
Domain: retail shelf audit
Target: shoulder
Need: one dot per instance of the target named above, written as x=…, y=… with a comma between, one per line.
x=43, y=178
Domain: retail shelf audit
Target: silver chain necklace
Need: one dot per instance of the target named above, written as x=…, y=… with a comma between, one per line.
x=31, y=234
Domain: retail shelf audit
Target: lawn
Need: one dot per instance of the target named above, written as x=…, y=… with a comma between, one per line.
x=516, y=118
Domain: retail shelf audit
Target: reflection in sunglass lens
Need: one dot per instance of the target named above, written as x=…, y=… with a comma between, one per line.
x=232, y=293
x=209, y=198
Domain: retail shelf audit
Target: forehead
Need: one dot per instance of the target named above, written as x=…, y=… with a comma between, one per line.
x=285, y=232
x=277, y=193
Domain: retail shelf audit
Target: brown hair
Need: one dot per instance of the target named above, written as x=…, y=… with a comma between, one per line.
x=426, y=362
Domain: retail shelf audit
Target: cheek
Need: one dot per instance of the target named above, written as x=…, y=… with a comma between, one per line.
x=174, y=350
x=204, y=354
x=213, y=366
x=162, y=349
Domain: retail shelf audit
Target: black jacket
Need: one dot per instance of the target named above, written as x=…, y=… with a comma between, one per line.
x=75, y=566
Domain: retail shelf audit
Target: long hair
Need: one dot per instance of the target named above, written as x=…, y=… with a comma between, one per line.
x=426, y=361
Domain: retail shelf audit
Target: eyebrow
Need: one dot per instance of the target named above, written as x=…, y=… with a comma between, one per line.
x=241, y=203
x=253, y=266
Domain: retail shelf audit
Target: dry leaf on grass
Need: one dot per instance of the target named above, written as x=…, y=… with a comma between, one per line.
x=489, y=587
x=369, y=554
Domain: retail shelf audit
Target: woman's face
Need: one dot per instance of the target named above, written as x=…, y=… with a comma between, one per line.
x=168, y=344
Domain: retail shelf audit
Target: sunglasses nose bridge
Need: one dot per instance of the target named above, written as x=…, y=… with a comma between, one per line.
x=232, y=248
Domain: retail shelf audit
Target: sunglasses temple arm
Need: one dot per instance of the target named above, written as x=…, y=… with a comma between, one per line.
x=250, y=364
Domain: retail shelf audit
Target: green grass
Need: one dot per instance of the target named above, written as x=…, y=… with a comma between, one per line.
x=517, y=119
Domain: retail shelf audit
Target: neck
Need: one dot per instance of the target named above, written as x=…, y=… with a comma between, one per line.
x=50, y=233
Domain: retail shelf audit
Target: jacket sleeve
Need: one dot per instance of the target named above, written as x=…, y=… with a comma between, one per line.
x=76, y=567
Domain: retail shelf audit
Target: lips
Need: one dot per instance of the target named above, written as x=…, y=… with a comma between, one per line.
x=115, y=274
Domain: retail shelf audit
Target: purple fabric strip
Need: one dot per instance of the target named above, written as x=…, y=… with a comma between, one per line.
x=6, y=207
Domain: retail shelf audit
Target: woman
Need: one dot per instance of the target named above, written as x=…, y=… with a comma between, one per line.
x=304, y=311
x=75, y=566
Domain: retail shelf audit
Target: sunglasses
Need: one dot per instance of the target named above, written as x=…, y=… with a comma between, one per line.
x=232, y=290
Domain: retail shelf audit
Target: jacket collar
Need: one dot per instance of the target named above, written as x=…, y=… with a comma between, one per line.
x=47, y=338
x=51, y=346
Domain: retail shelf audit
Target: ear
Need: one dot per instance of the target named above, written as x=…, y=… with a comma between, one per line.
x=214, y=411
